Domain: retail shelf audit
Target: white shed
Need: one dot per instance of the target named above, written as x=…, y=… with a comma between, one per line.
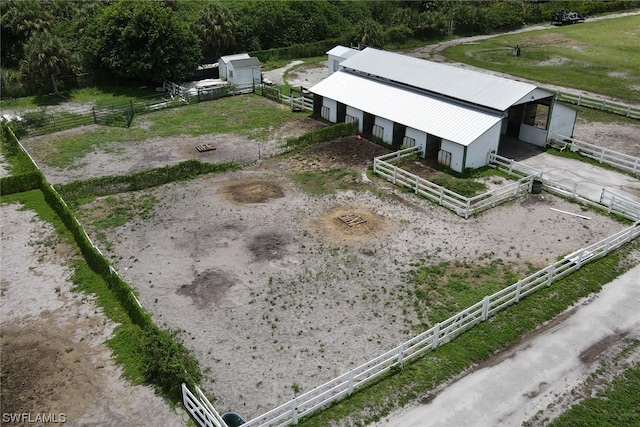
x=244, y=73
x=223, y=62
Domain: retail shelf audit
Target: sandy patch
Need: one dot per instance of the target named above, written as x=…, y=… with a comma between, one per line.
x=54, y=360
x=276, y=295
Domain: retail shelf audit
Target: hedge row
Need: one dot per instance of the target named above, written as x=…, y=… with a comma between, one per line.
x=141, y=180
x=322, y=135
x=307, y=50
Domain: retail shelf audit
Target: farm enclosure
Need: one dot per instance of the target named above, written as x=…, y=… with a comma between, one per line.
x=277, y=295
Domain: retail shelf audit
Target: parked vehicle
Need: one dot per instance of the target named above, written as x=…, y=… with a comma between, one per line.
x=563, y=17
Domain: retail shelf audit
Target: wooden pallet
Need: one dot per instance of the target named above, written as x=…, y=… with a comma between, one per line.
x=205, y=147
x=352, y=219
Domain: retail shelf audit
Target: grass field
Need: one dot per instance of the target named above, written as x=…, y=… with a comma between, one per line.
x=226, y=115
x=600, y=57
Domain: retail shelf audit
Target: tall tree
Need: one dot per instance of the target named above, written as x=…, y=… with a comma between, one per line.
x=369, y=33
x=19, y=20
x=216, y=27
x=143, y=41
x=45, y=57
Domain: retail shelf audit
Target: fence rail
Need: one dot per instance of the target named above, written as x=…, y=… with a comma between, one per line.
x=461, y=205
x=603, y=155
x=300, y=102
x=441, y=333
x=599, y=104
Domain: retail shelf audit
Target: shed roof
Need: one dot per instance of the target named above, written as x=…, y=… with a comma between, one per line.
x=478, y=88
x=342, y=51
x=448, y=120
x=227, y=58
x=245, y=63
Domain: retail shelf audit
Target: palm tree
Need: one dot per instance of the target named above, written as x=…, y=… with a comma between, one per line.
x=216, y=27
x=45, y=56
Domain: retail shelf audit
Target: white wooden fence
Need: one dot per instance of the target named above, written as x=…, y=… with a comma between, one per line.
x=200, y=409
x=461, y=205
x=603, y=155
x=599, y=104
x=289, y=413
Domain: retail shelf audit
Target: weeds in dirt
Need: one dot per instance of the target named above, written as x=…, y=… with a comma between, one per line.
x=319, y=182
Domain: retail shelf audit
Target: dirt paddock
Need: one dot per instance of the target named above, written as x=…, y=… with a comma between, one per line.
x=278, y=291
x=275, y=290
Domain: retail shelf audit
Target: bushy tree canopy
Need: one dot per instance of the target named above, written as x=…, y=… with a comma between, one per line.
x=142, y=40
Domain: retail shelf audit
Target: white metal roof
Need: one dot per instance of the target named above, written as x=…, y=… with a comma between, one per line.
x=470, y=86
x=227, y=58
x=432, y=115
x=245, y=63
x=342, y=51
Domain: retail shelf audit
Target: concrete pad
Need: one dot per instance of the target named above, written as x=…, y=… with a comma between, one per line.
x=589, y=179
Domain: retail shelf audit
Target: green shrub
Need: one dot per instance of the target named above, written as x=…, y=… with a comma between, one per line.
x=168, y=363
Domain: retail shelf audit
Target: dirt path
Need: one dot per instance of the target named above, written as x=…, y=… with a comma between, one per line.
x=54, y=360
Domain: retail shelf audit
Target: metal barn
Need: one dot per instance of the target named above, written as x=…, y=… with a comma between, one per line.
x=457, y=116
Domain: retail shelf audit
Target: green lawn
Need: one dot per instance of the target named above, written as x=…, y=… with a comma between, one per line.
x=250, y=115
x=601, y=56
x=95, y=95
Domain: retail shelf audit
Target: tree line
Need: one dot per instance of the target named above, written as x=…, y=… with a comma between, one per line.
x=47, y=44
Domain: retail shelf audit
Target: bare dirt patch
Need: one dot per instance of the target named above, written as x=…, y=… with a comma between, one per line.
x=335, y=230
x=252, y=190
x=276, y=295
x=54, y=360
x=622, y=138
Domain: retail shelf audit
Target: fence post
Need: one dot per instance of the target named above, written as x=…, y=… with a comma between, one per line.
x=516, y=297
x=400, y=355
x=417, y=183
x=395, y=171
x=579, y=260
x=550, y=273
x=294, y=411
x=606, y=248
x=350, y=383
x=485, y=308
x=436, y=336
